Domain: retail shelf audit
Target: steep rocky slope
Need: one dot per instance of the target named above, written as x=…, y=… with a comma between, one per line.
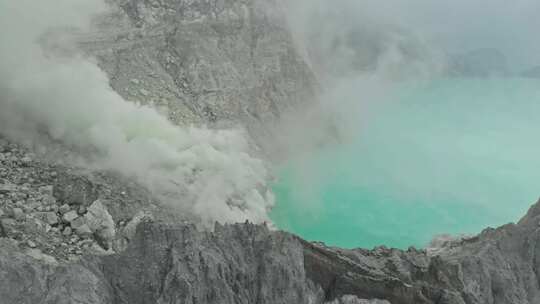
x=208, y=61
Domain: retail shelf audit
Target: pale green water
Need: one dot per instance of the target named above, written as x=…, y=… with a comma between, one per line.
x=453, y=156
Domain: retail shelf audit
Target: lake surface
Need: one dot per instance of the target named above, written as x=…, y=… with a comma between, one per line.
x=450, y=156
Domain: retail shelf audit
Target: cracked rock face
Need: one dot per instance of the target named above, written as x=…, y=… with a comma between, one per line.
x=234, y=264
x=170, y=264
x=213, y=62
x=39, y=208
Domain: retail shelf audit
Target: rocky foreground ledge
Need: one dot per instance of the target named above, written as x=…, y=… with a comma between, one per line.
x=245, y=263
x=126, y=252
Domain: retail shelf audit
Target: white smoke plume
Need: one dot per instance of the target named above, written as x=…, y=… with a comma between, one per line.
x=362, y=50
x=206, y=173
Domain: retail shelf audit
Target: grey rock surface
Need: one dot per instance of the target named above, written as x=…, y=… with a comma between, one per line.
x=169, y=264
x=38, y=206
x=234, y=264
x=246, y=263
x=497, y=266
x=70, y=216
x=213, y=62
x=101, y=223
x=48, y=217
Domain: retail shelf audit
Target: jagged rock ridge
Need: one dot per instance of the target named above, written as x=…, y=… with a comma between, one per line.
x=246, y=263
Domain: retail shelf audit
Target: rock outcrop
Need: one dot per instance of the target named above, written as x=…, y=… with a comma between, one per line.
x=246, y=263
x=169, y=264
x=497, y=266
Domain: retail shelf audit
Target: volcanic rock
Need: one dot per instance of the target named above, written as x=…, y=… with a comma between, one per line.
x=70, y=216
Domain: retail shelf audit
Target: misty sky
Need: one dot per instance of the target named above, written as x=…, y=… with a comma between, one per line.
x=511, y=26
x=453, y=26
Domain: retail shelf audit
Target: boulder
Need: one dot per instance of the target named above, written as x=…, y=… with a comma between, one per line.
x=70, y=216
x=83, y=231
x=101, y=223
x=5, y=226
x=18, y=214
x=67, y=231
x=64, y=208
x=128, y=232
x=78, y=222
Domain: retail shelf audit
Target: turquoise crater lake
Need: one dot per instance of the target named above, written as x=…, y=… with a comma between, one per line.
x=451, y=156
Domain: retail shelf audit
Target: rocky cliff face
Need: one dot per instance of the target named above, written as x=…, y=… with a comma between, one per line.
x=496, y=266
x=204, y=61
x=235, y=264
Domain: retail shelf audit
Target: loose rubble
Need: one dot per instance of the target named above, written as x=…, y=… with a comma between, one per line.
x=44, y=207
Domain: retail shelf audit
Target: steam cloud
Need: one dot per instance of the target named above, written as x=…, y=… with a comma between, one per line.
x=385, y=65
x=365, y=28
x=364, y=49
x=206, y=173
